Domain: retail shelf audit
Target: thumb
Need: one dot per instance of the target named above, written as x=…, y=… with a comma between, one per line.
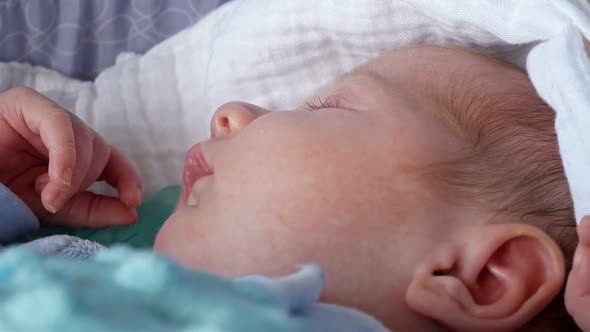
x=90, y=210
x=40, y=182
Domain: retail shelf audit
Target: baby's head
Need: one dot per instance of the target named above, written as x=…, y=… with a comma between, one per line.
x=427, y=183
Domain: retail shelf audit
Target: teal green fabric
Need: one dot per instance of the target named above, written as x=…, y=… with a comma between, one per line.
x=122, y=290
x=151, y=216
x=129, y=290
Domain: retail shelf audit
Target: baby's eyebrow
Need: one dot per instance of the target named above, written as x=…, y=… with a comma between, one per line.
x=360, y=72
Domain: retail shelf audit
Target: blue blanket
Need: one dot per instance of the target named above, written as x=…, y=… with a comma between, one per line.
x=63, y=283
x=17, y=220
x=127, y=290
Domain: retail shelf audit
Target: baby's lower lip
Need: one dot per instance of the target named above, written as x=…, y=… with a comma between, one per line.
x=196, y=167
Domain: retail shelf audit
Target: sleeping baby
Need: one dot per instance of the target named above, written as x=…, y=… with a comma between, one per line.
x=426, y=183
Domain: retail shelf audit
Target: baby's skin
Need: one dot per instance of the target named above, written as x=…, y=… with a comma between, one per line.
x=331, y=182
x=338, y=181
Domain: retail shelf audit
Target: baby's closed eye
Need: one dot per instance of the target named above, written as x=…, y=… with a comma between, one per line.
x=318, y=103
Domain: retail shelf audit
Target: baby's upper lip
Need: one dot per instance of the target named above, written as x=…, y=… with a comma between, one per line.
x=196, y=167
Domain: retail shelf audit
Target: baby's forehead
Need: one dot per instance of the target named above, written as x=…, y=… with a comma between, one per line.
x=456, y=85
x=443, y=73
x=451, y=83
x=433, y=63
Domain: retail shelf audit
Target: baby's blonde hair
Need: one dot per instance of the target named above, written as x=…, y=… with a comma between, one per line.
x=511, y=164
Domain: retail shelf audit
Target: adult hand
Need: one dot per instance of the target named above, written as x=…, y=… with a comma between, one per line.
x=49, y=158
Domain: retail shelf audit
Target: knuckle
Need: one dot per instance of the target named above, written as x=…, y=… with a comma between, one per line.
x=60, y=115
x=22, y=95
x=13, y=97
x=22, y=92
x=100, y=145
x=68, y=146
x=88, y=134
x=84, y=143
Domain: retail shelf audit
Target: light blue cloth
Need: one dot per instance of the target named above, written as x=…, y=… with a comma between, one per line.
x=17, y=219
x=128, y=290
x=121, y=289
x=65, y=246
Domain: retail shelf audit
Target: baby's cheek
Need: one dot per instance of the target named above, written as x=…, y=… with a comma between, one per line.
x=177, y=237
x=165, y=236
x=320, y=210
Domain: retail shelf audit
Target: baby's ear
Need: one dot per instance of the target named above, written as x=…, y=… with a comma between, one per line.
x=495, y=277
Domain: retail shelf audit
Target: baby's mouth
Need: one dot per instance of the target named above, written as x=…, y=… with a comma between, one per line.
x=192, y=200
x=194, y=195
x=196, y=168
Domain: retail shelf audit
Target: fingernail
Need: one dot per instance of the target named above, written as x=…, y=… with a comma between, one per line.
x=134, y=200
x=67, y=177
x=128, y=203
x=57, y=201
x=50, y=202
x=134, y=215
x=50, y=208
x=139, y=195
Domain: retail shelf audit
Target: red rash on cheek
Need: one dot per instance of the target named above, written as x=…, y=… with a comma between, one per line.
x=311, y=154
x=280, y=218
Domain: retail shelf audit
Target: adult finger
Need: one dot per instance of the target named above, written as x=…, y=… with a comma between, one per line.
x=48, y=129
x=577, y=291
x=57, y=134
x=55, y=196
x=110, y=165
x=122, y=174
x=34, y=116
x=91, y=210
x=40, y=182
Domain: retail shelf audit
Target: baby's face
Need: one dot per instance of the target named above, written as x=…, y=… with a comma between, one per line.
x=335, y=186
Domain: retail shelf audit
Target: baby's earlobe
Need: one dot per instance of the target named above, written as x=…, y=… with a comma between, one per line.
x=502, y=276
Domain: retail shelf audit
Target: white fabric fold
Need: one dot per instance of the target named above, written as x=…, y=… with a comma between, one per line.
x=277, y=53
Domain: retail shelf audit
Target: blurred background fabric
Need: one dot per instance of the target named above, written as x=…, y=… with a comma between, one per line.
x=79, y=38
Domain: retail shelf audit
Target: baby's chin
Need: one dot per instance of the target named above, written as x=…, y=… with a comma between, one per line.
x=180, y=240
x=170, y=240
x=161, y=242
x=177, y=251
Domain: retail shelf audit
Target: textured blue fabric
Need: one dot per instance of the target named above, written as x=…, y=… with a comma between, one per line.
x=299, y=293
x=120, y=289
x=65, y=246
x=127, y=290
x=81, y=37
x=16, y=218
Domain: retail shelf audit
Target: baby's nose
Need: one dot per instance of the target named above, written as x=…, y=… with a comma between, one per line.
x=230, y=118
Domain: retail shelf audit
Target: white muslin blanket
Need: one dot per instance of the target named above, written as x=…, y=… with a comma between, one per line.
x=277, y=53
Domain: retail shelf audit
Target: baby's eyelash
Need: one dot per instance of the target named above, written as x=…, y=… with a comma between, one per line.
x=317, y=104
